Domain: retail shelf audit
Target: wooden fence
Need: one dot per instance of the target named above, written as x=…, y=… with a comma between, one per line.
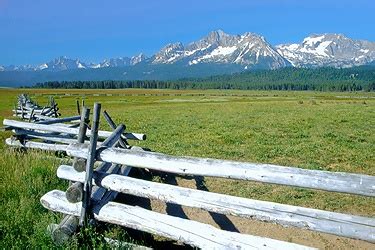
x=28, y=109
x=92, y=190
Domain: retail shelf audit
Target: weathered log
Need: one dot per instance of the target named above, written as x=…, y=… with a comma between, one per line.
x=36, y=145
x=78, y=108
x=190, y=232
x=62, y=129
x=112, y=124
x=22, y=114
x=31, y=115
x=39, y=117
x=85, y=212
x=111, y=140
x=79, y=164
x=352, y=226
x=49, y=138
x=67, y=227
x=60, y=120
x=356, y=227
x=316, y=179
x=74, y=193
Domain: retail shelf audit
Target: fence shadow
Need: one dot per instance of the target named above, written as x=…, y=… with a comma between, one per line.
x=176, y=210
x=171, y=209
x=221, y=220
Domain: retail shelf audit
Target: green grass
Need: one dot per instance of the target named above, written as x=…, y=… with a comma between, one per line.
x=313, y=130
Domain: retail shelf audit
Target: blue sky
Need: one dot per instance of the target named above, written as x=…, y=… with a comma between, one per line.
x=36, y=31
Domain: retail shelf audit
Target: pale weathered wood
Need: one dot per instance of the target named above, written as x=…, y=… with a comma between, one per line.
x=79, y=164
x=346, y=225
x=324, y=180
x=36, y=145
x=114, y=137
x=60, y=120
x=87, y=186
x=67, y=227
x=352, y=226
x=111, y=123
x=62, y=129
x=49, y=138
x=74, y=193
x=190, y=232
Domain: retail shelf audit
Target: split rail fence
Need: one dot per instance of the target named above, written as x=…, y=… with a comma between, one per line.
x=27, y=109
x=93, y=189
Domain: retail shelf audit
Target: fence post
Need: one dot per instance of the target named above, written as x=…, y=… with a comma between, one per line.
x=22, y=115
x=87, y=187
x=68, y=225
x=78, y=108
x=79, y=164
x=31, y=115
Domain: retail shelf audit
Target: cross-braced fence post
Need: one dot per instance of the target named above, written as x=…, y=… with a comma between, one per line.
x=90, y=166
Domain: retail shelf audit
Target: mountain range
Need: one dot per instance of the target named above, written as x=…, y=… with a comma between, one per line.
x=216, y=53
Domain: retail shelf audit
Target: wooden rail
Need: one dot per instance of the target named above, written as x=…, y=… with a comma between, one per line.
x=187, y=231
x=63, y=129
x=316, y=179
x=351, y=226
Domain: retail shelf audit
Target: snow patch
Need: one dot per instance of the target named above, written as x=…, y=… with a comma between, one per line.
x=223, y=51
x=80, y=66
x=293, y=46
x=190, y=52
x=95, y=66
x=310, y=41
x=173, y=58
x=220, y=51
x=320, y=50
x=43, y=66
x=193, y=62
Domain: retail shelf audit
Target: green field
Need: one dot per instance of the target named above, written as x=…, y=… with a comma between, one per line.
x=313, y=130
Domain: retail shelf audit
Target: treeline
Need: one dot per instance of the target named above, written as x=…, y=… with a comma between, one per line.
x=319, y=79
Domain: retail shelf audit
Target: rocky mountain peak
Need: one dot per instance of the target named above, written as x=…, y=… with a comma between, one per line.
x=335, y=50
x=137, y=59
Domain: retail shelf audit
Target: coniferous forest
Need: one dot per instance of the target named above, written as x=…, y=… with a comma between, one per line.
x=319, y=79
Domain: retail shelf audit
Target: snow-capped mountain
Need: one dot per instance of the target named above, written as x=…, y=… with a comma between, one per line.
x=137, y=59
x=249, y=50
x=60, y=63
x=246, y=51
x=114, y=62
x=26, y=67
x=120, y=61
x=334, y=50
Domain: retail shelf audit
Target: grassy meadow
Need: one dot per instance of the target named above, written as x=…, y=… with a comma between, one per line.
x=312, y=130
